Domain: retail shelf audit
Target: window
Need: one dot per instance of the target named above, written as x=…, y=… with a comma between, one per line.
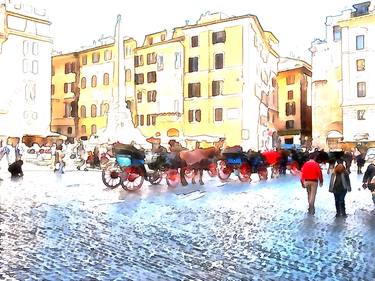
x=193, y=64
x=361, y=89
x=290, y=79
x=194, y=115
x=30, y=92
x=151, y=58
x=177, y=60
x=93, y=110
x=361, y=114
x=191, y=116
x=194, y=41
x=106, y=79
x=194, y=90
x=290, y=108
x=151, y=77
x=26, y=66
x=162, y=37
x=360, y=65
x=218, y=114
x=139, y=79
x=93, y=129
x=35, y=67
x=83, y=111
x=68, y=110
x=52, y=89
x=84, y=62
x=336, y=33
x=198, y=115
x=139, y=97
x=70, y=130
x=153, y=120
x=128, y=75
x=151, y=96
x=148, y=120
x=83, y=129
x=138, y=60
x=360, y=42
x=83, y=83
x=94, y=81
x=53, y=70
x=218, y=37
x=95, y=57
x=141, y=121
x=219, y=61
x=289, y=124
x=66, y=88
x=290, y=95
x=35, y=48
x=107, y=55
x=160, y=63
x=26, y=48
x=217, y=88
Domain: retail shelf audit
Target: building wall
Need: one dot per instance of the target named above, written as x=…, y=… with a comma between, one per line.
x=240, y=99
x=300, y=79
x=101, y=95
x=25, y=69
x=167, y=106
x=335, y=78
x=129, y=50
x=62, y=117
x=352, y=127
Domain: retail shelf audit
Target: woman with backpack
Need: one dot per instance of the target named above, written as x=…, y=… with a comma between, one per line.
x=339, y=186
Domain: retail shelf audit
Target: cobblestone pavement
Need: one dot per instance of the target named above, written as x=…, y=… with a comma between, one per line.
x=71, y=228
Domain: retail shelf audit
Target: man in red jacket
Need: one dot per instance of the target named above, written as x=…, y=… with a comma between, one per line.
x=311, y=174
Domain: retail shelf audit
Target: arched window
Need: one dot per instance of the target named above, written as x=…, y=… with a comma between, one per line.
x=70, y=130
x=106, y=79
x=83, y=83
x=93, y=110
x=83, y=111
x=83, y=130
x=93, y=129
x=93, y=81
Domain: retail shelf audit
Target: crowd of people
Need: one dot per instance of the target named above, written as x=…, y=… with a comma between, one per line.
x=310, y=169
x=339, y=185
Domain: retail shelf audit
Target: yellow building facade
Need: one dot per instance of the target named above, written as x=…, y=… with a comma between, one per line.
x=159, y=86
x=65, y=94
x=225, y=78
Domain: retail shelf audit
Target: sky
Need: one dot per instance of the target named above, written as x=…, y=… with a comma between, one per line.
x=296, y=23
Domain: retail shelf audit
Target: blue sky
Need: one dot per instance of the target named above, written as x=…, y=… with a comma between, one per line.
x=294, y=22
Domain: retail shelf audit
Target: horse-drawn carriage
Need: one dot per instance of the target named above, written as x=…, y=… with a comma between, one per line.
x=131, y=166
x=243, y=164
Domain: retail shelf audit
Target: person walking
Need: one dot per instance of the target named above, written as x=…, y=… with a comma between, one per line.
x=311, y=175
x=348, y=158
x=368, y=180
x=339, y=185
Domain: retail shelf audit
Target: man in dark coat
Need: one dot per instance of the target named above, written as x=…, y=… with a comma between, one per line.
x=368, y=180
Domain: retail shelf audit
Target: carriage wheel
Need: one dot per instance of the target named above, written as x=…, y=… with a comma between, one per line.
x=111, y=176
x=155, y=178
x=262, y=173
x=223, y=170
x=173, y=178
x=244, y=172
x=134, y=179
x=212, y=170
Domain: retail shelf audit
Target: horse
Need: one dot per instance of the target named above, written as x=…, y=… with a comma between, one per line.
x=198, y=160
